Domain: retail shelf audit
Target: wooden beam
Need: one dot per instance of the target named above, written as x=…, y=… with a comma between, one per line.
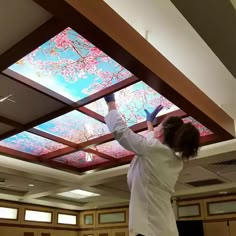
x=92, y=114
x=36, y=86
x=116, y=87
x=105, y=138
x=11, y=123
x=133, y=52
x=102, y=155
x=18, y=154
x=52, y=137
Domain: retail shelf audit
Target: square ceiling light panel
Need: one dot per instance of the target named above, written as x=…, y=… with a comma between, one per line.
x=75, y=127
x=131, y=102
x=31, y=143
x=202, y=129
x=113, y=149
x=78, y=194
x=71, y=66
x=80, y=159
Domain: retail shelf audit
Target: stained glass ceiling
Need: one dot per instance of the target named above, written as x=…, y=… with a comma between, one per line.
x=71, y=66
x=31, y=143
x=75, y=127
x=131, y=102
x=81, y=159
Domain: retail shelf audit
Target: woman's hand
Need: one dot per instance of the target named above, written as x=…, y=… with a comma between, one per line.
x=110, y=98
x=111, y=102
x=151, y=117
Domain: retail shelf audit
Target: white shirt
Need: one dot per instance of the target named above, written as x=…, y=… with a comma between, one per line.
x=152, y=176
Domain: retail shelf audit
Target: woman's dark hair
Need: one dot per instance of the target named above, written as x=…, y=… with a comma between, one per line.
x=180, y=137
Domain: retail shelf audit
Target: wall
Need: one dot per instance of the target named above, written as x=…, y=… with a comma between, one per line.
x=217, y=213
x=105, y=222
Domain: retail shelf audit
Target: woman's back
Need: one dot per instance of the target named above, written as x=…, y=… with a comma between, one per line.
x=151, y=180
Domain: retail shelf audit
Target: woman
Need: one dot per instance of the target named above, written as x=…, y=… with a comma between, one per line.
x=155, y=168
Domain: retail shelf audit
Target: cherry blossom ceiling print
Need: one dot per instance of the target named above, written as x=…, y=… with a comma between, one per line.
x=113, y=149
x=131, y=102
x=75, y=127
x=80, y=159
x=71, y=66
x=74, y=68
x=31, y=143
x=202, y=129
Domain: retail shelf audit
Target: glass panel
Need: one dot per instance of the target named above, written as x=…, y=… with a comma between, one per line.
x=38, y=216
x=132, y=101
x=67, y=219
x=113, y=149
x=88, y=219
x=116, y=217
x=218, y=208
x=80, y=159
x=31, y=143
x=75, y=127
x=71, y=66
x=8, y=213
x=187, y=211
x=202, y=129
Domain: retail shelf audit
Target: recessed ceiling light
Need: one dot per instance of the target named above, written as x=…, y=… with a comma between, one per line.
x=31, y=185
x=223, y=192
x=84, y=193
x=78, y=194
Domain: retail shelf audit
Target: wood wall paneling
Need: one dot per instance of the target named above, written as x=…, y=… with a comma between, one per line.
x=29, y=234
x=82, y=219
x=120, y=232
x=113, y=224
x=88, y=233
x=232, y=228
x=216, y=229
x=199, y=203
x=220, y=216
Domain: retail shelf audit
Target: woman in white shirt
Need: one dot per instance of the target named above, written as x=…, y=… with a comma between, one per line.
x=155, y=168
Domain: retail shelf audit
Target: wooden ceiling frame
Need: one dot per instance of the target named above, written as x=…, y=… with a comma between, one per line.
x=95, y=21
x=114, y=50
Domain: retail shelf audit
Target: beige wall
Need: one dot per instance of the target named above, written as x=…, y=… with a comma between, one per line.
x=20, y=226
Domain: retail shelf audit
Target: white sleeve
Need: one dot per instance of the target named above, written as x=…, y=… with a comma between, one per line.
x=125, y=136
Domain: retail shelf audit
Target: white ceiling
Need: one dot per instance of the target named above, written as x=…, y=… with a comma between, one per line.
x=14, y=13
x=170, y=33
x=110, y=184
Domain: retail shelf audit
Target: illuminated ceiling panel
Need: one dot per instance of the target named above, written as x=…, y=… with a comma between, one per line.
x=131, y=102
x=71, y=66
x=113, y=149
x=80, y=159
x=75, y=127
x=202, y=129
x=31, y=143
